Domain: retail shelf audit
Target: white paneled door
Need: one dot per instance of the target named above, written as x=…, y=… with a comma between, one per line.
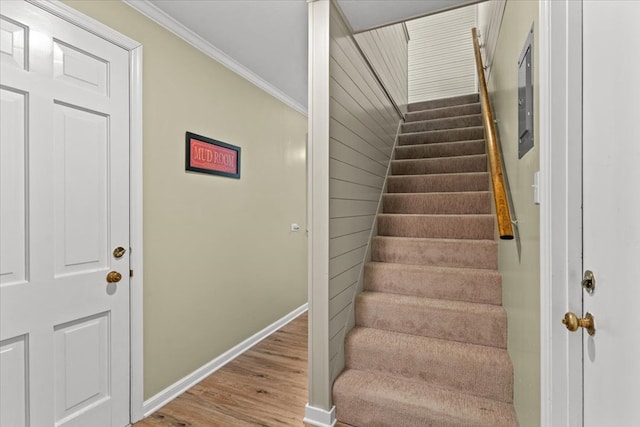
x=64, y=188
x=611, y=200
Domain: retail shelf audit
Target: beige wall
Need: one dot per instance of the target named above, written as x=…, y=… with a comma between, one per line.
x=519, y=258
x=220, y=262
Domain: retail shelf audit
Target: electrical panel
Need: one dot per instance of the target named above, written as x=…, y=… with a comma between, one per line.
x=525, y=97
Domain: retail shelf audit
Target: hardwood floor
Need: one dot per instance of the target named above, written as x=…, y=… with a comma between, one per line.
x=266, y=386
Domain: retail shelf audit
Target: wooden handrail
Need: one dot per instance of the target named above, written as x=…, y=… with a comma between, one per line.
x=505, y=228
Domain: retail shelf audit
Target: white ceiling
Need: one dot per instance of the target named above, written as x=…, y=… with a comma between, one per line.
x=366, y=14
x=266, y=40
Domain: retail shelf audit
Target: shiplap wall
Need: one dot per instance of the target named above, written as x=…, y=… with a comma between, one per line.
x=489, y=21
x=386, y=49
x=362, y=130
x=441, y=58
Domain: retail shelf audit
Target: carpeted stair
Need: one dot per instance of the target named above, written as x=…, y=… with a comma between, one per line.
x=429, y=346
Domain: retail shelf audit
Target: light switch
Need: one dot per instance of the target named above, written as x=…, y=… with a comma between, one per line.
x=536, y=188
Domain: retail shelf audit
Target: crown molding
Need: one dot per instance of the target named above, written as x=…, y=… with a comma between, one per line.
x=152, y=12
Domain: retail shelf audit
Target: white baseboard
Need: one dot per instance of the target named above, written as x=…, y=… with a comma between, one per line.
x=319, y=417
x=168, y=394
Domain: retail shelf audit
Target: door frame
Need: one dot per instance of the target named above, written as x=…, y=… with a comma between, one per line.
x=134, y=49
x=560, y=90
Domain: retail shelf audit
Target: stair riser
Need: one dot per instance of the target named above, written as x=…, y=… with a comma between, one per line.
x=446, y=149
x=445, y=102
x=445, y=112
x=408, y=316
x=436, y=226
x=464, y=164
x=435, y=136
x=437, y=203
x=442, y=124
x=483, y=373
x=479, y=286
x=438, y=183
x=482, y=255
x=373, y=400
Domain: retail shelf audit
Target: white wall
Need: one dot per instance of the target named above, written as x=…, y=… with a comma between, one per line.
x=352, y=129
x=386, y=49
x=441, y=59
x=490, y=15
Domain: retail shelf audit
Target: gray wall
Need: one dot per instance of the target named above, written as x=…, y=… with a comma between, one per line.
x=362, y=131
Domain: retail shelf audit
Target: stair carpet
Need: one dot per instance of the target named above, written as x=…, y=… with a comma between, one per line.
x=429, y=345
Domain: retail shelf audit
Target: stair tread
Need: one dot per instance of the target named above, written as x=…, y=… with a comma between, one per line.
x=443, y=175
x=443, y=112
x=443, y=102
x=435, y=144
x=442, y=123
x=365, y=398
x=398, y=215
x=431, y=240
x=466, y=226
x=443, y=135
x=460, y=321
x=441, y=149
x=413, y=215
x=480, y=370
x=438, y=182
x=474, y=272
x=446, y=202
x=440, y=165
x=447, y=118
x=457, y=118
x=434, y=251
x=425, y=132
x=441, y=304
x=449, y=283
x=441, y=159
x=428, y=194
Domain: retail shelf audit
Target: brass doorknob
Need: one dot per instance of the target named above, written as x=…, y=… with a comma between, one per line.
x=573, y=322
x=119, y=252
x=113, y=277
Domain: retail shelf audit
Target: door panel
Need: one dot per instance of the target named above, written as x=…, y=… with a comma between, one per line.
x=64, y=329
x=79, y=68
x=81, y=366
x=12, y=43
x=13, y=178
x=611, y=200
x=14, y=399
x=81, y=182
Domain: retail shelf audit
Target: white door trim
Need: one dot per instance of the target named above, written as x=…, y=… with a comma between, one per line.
x=134, y=48
x=560, y=112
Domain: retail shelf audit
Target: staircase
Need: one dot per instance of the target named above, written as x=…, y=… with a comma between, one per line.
x=429, y=346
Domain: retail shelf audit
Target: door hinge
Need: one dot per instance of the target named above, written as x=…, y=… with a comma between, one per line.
x=130, y=273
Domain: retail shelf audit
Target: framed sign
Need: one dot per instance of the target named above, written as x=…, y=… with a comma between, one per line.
x=206, y=155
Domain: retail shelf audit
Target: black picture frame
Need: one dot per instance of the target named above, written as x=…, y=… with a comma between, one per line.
x=210, y=156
